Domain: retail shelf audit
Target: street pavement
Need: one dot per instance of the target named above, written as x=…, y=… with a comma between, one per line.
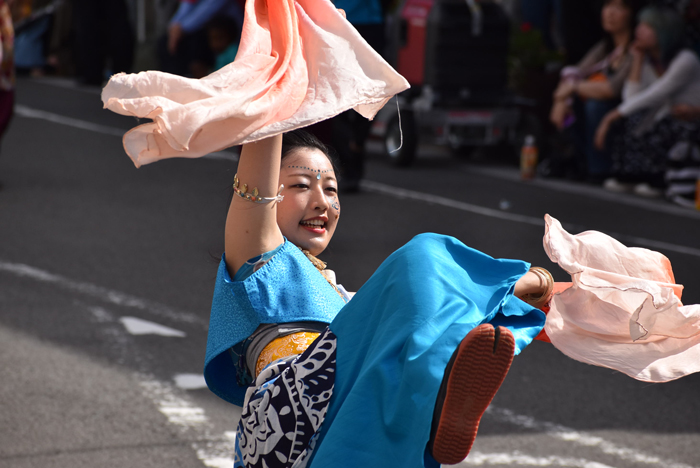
x=107, y=271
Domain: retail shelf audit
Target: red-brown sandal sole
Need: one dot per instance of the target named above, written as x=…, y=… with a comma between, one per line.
x=480, y=366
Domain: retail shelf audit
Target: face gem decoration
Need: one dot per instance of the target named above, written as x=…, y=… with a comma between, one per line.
x=317, y=171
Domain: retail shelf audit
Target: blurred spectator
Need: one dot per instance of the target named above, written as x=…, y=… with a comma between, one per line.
x=664, y=76
x=224, y=37
x=43, y=37
x=512, y=9
x=692, y=19
x=683, y=170
x=544, y=15
x=32, y=21
x=690, y=10
x=7, y=69
x=185, y=49
x=102, y=32
x=61, y=50
x=592, y=88
x=580, y=27
x=349, y=129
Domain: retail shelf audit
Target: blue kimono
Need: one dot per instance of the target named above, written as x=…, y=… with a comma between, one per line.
x=387, y=350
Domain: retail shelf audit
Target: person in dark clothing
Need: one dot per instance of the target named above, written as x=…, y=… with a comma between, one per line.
x=580, y=27
x=349, y=129
x=102, y=32
x=184, y=50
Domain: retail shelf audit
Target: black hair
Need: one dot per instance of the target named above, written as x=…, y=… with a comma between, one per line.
x=635, y=6
x=297, y=139
x=669, y=27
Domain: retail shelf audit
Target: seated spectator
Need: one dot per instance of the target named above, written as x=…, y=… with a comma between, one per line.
x=580, y=27
x=103, y=38
x=589, y=90
x=664, y=75
x=690, y=10
x=185, y=49
x=224, y=37
x=683, y=171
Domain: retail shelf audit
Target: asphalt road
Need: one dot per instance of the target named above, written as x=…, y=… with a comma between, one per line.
x=106, y=275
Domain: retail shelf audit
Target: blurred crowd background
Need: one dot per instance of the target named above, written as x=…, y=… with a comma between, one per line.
x=613, y=85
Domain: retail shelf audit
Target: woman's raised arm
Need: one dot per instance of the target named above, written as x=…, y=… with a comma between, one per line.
x=251, y=227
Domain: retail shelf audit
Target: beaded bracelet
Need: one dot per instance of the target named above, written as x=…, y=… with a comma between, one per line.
x=254, y=196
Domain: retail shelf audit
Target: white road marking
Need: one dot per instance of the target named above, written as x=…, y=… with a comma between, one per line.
x=30, y=113
x=376, y=187
x=101, y=293
x=213, y=451
x=100, y=315
x=568, y=434
x=521, y=459
x=137, y=326
x=67, y=83
x=565, y=186
x=218, y=462
x=190, y=381
x=405, y=194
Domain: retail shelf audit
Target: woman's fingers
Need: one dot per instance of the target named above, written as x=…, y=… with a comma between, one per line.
x=558, y=114
x=600, y=135
x=174, y=36
x=342, y=12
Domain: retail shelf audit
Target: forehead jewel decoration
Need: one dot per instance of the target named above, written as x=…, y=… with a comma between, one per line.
x=317, y=171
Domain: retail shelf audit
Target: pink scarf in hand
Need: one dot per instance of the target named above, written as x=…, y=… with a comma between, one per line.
x=624, y=309
x=299, y=62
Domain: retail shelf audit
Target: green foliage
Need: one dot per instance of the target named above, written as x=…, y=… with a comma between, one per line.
x=528, y=54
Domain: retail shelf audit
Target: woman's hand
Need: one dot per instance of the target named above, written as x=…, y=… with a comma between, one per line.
x=535, y=287
x=565, y=90
x=174, y=36
x=557, y=116
x=637, y=51
x=602, y=132
x=686, y=112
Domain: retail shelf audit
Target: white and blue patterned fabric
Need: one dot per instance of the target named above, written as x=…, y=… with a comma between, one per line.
x=285, y=408
x=363, y=394
x=288, y=288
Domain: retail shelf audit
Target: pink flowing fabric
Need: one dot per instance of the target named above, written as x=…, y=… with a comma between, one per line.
x=624, y=309
x=299, y=62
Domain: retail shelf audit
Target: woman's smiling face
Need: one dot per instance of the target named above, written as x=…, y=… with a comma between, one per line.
x=309, y=212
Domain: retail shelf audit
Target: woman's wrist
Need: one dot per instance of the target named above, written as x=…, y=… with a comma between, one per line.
x=540, y=285
x=613, y=115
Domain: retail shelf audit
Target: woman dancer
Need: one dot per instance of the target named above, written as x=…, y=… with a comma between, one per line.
x=405, y=370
